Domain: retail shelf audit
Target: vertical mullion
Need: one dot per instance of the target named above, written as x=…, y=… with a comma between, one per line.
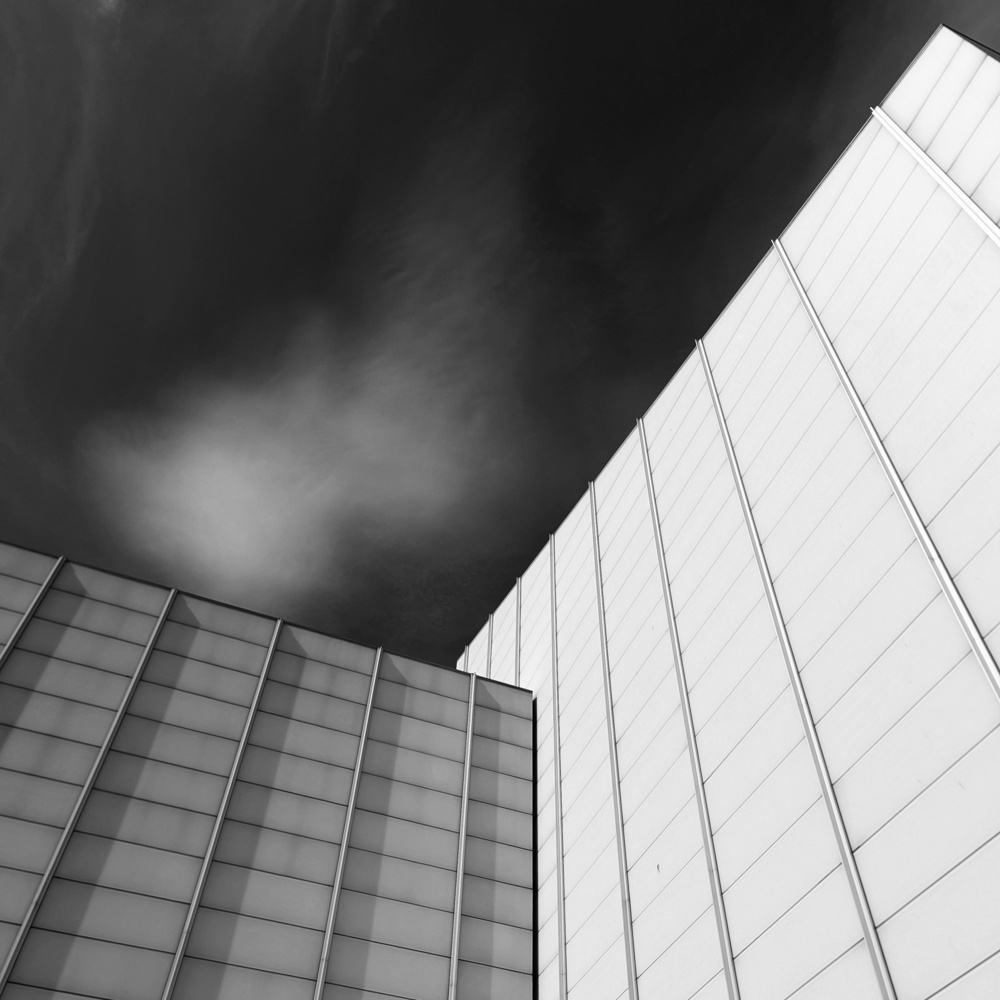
x=557, y=775
x=30, y=610
x=708, y=839
x=352, y=798
x=944, y=578
x=489, y=646
x=808, y=723
x=199, y=888
x=616, y=795
x=456, y=928
x=964, y=202
x=81, y=799
x=517, y=634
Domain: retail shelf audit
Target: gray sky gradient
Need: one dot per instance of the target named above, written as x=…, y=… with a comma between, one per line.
x=332, y=308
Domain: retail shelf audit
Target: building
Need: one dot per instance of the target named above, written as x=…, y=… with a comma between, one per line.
x=735, y=733
x=763, y=645
x=177, y=777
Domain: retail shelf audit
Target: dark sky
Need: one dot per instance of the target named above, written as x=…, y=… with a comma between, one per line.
x=331, y=308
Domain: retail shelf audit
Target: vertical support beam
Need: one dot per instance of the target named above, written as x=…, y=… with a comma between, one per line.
x=808, y=723
x=345, y=839
x=456, y=927
x=616, y=790
x=517, y=635
x=213, y=840
x=708, y=840
x=88, y=785
x=489, y=646
x=31, y=609
x=465, y=661
x=557, y=775
x=981, y=219
x=944, y=578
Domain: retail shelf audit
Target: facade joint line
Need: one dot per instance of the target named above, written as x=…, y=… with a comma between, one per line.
x=29, y=611
x=708, y=839
x=489, y=646
x=88, y=785
x=616, y=793
x=944, y=577
x=213, y=840
x=557, y=775
x=985, y=223
x=868, y=928
x=456, y=928
x=345, y=838
x=517, y=635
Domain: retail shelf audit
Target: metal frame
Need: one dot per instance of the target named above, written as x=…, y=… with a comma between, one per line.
x=352, y=798
x=708, y=839
x=456, y=927
x=517, y=635
x=808, y=723
x=944, y=578
x=489, y=646
x=616, y=793
x=557, y=775
x=985, y=223
x=29, y=611
x=88, y=785
x=213, y=840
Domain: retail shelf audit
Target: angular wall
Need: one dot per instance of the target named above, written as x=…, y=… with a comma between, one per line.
x=770, y=660
x=179, y=779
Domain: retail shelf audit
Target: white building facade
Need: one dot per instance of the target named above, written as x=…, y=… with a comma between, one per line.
x=764, y=644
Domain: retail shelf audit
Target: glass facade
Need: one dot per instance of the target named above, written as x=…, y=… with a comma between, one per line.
x=179, y=779
x=763, y=645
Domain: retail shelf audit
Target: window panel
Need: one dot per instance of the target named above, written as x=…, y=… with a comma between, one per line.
x=199, y=979
x=503, y=789
x=385, y=969
x=111, y=589
x=159, y=782
x=191, y=711
x=402, y=839
x=296, y=774
x=267, y=895
x=118, y=864
x=499, y=901
x=22, y=563
x=86, y=648
x=284, y=811
x=25, y=845
x=92, y=968
x=416, y=704
x=304, y=740
x=157, y=740
x=232, y=622
x=277, y=852
x=423, y=676
x=497, y=945
x=195, y=677
x=309, y=706
x=326, y=649
x=47, y=756
x=64, y=680
x=503, y=825
x=412, y=766
x=255, y=943
x=476, y=980
x=394, y=878
x=415, y=734
x=391, y=921
x=16, y=595
x=502, y=757
x=420, y=805
x=111, y=915
x=96, y=616
x=498, y=861
x=311, y=675
x=16, y=890
x=150, y=823
x=37, y=800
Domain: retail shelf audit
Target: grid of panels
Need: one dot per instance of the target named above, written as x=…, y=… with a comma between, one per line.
x=907, y=285
x=170, y=692
x=60, y=688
